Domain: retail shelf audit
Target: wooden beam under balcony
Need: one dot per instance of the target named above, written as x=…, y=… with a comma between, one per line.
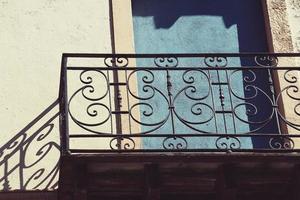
x=189, y=176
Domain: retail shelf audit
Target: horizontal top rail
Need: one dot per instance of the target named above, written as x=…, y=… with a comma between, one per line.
x=181, y=68
x=128, y=55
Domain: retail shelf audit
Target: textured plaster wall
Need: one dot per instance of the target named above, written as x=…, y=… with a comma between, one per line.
x=277, y=25
x=293, y=7
x=33, y=36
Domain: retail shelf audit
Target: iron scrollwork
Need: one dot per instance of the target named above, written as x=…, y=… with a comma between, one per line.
x=166, y=62
x=228, y=143
x=122, y=143
x=281, y=142
x=216, y=97
x=266, y=60
x=216, y=61
x=93, y=98
x=116, y=61
x=175, y=143
x=291, y=94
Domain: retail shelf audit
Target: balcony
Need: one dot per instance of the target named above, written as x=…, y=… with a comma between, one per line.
x=201, y=102
x=162, y=126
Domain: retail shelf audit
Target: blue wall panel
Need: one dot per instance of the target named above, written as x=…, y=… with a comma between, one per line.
x=197, y=26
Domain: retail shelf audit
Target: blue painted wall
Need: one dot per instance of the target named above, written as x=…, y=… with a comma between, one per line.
x=194, y=26
x=191, y=26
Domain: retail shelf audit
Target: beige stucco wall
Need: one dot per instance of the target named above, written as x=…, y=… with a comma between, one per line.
x=33, y=36
x=293, y=8
x=277, y=26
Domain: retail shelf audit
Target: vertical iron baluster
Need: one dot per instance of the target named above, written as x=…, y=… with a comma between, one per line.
x=171, y=103
x=222, y=98
x=230, y=99
x=273, y=93
x=110, y=106
x=213, y=99
x=118, y=100
x=128, y=102
x=63, y=107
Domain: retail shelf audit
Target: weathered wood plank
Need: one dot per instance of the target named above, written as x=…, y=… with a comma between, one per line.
x=152, y=182
x=226, y=183
x=80, y=177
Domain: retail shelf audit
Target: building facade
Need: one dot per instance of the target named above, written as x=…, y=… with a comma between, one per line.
x=34, y=35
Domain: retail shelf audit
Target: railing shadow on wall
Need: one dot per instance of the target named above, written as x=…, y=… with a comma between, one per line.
x=30, y=160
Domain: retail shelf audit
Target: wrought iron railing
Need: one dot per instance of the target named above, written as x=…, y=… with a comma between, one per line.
x=180, y=102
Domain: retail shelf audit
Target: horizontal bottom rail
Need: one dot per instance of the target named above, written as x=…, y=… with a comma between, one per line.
x=186, y=135
x=280, y=151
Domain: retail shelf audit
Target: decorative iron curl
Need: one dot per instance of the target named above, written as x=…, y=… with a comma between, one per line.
x=197, y=111
x=216, y=61
x=116, y=62
x=88, y=88
x=249, y=78
x=266, y=60
x=297, y=109
x=290, y=77
x=197, y=108
x=92, y=112
x=293, y=120
x=146, y=106
x=281, y=142
x=147, y=112
x=122, y=143
x=175, y=143
x=189, y=77
x=228, y=143
x=147, y=88
x=250, y=89
x=252, y=111
x=291, y=90
x=166, y=61
x=94, y=106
